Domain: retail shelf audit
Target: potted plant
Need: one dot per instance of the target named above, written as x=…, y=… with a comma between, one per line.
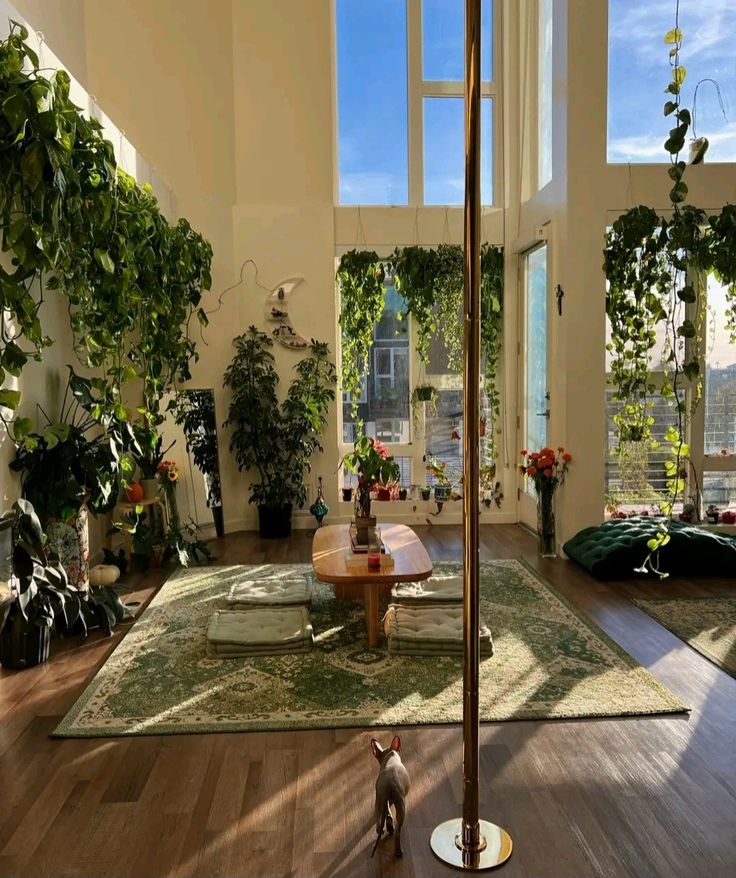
x=28, y=615
x=437, y=469
x=424, y=397
x=194, y=412
x=274, y=440
x=426, y=492
x=347, y=495
x=402, y=493
x=712, y=514
x=375, y=467
x=68, y=469
x=148, y=454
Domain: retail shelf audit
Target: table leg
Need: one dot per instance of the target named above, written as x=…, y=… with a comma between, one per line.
x=370, y=602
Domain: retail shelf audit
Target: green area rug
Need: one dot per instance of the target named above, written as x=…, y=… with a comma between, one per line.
x=707, y=624
x=550, y=662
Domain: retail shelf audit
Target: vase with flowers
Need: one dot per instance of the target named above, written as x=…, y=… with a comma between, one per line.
x=374, y=466
x=546, y=469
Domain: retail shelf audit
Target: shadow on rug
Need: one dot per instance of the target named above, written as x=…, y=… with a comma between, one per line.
x=706, y=624
x=550, y=662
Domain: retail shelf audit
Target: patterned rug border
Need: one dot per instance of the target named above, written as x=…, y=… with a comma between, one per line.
x=67, y=728
x=648, y=604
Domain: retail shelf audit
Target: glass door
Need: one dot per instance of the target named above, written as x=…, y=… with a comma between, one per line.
x=534, y=394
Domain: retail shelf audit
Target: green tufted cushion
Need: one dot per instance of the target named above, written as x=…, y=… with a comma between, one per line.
x=613, y=549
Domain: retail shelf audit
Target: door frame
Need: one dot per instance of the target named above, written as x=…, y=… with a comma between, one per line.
x=527, y=506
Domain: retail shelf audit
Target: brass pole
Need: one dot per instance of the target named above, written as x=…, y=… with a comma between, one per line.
x=470, y=843
x=471, y=408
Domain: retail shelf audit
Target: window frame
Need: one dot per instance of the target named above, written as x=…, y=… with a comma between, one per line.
x=417, y=90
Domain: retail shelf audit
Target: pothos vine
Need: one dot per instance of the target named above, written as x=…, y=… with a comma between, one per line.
x=651, y=264
x=431, y=283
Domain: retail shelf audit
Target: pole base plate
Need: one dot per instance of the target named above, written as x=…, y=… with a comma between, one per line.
x=446, y=844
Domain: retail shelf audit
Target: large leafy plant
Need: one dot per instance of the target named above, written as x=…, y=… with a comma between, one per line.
x=276, y=439
x=76, y=223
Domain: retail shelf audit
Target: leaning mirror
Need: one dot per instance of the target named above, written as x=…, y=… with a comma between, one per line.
x=193, y=415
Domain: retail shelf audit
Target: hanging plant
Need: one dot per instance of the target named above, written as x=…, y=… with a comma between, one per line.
x=415, y=270
x=649, y=262
x=424, y=399
x=491, y=326
x=77, y=224
x=360, y=276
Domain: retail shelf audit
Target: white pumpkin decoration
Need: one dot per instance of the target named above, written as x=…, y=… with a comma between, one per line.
x=103, y=574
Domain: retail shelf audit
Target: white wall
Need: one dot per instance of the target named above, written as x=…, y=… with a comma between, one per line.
x=232, y=103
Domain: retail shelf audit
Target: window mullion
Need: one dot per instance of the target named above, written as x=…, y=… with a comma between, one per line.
x=414, y=90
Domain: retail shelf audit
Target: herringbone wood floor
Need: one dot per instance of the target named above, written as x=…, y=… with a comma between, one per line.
x=628, y=797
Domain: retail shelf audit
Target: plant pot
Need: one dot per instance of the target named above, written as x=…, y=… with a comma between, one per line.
x=383, y=493
x=219, y=520
x=70, y=541
x=426, y=493
x=402, y=493
x=713, y=517
x=347, y=495
x=134, y=492
x=441, y=493
x=363, y=523
x=150, y=488
x=274, y=522
x=424, y=394
x=22, y=644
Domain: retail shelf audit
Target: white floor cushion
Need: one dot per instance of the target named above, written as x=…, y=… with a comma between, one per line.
x=437, y=589
x=429, y=630
x=267, y=631
x=270, y=592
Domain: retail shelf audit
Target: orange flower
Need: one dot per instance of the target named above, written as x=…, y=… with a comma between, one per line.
x=531, y=471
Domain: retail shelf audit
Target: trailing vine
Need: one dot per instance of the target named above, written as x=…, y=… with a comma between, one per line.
x=431, y=282
x=360, y=277
x=650, y=263
x=77, y=224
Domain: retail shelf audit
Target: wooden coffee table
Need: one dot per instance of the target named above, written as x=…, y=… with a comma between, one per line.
x=411, y=562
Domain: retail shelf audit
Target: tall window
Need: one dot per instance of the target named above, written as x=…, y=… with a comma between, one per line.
x=638, y=73
x=400, y=70
x=544, y=94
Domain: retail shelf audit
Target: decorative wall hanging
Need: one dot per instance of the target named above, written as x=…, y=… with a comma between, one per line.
x=277, y=311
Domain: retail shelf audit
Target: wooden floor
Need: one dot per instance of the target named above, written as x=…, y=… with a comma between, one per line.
x=627, y=797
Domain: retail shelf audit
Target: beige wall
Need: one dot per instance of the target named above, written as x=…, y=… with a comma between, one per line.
x=232, y=103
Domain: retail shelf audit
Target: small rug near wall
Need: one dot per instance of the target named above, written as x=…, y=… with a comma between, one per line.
x=707, y=624
x=550, y=662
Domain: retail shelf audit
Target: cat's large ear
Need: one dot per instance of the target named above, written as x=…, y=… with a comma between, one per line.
x=396, y=743
x=376, y=748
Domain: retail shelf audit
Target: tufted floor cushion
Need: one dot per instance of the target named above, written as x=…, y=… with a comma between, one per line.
x=615, y=548
x=270, y=592
x=436, y=589
x=266, y=631
x=434, y=630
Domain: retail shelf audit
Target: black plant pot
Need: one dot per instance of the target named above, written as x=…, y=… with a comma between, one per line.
x=274, y=522
x=22, y=644
x=219, y=520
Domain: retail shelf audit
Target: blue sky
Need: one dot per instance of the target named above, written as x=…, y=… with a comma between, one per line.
x=639, y=72
x=372, y=91
x=372, y=102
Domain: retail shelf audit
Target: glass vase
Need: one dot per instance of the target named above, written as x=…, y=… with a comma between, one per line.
x=546, y=522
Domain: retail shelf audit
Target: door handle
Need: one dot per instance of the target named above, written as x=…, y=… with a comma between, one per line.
x=544, y=414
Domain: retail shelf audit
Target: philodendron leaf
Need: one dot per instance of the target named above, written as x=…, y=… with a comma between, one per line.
x=9, y=399
x=679, y=74
x=701, y=151
x=103, y=257
x=669, y=108
x=673, y=36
